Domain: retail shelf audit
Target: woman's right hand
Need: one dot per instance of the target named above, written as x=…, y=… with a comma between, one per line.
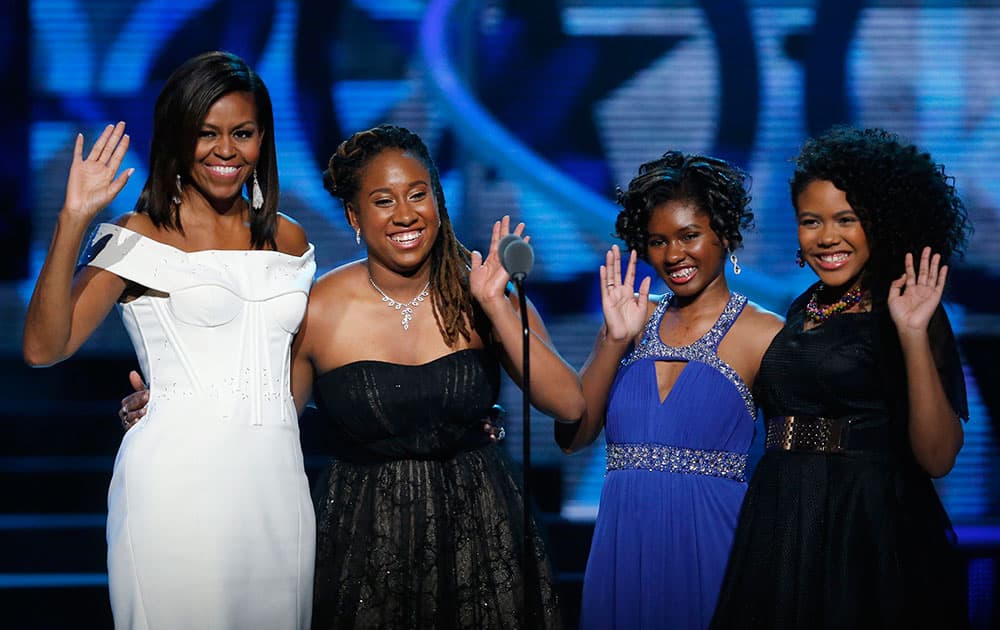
x=134, y=405
x=625, y=312
x=94, y=182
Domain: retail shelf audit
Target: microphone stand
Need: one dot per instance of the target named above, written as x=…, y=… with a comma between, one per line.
x=526, y=547
x=517, y=257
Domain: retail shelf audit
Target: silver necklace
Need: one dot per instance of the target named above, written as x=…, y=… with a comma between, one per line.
x=405, y=308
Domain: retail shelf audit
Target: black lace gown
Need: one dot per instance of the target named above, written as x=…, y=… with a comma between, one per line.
x=419, y=524
x=857, y=539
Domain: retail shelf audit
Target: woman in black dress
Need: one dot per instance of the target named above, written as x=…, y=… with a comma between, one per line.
x=419, y=523
x=863, y=393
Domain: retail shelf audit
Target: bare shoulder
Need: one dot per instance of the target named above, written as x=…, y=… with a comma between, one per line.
x=331, y=300
x=757, y=315
x=290, y=236
x=758, y=323
x=138, y=222
x=339, y=284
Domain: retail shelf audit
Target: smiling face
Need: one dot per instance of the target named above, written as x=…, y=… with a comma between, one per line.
x=396, y=212
x=683, y=249
x=227, y=149
x=832, y=239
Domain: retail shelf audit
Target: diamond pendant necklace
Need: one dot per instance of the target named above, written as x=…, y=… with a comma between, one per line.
x=405, y=308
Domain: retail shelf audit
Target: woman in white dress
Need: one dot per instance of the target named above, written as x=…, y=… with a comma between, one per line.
x=210, y=523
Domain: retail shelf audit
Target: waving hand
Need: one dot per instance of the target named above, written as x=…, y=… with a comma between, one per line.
x=95, y=181
x=625, y=311
x=915, y=295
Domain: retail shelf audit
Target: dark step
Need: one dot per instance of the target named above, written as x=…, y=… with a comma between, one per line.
x=90, y=428
x=52, y=543
x=570, y=599
x=48, y=602
x=568, y=544
x=64, y=484
x=80, y=378
x=45, y=485
x=85, y=606
x=45, y=428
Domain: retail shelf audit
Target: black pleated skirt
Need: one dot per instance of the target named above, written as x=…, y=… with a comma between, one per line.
x=841, y=541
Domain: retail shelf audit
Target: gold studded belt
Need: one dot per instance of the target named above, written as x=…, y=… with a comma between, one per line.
x=808, y=433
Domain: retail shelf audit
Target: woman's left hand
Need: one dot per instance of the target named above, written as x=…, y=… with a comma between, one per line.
x=487, y=277
x=493, y=424
x=915, y=295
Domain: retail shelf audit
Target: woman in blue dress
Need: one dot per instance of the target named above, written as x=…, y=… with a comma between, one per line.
x=669, y=379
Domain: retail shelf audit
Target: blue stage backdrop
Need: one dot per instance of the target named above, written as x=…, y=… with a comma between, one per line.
x=540, y=109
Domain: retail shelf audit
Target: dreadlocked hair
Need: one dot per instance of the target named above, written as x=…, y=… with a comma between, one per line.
x=714, y=186
x=455, y=310
x=904, y=200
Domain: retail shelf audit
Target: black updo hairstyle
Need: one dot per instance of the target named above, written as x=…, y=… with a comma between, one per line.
x=713, y=186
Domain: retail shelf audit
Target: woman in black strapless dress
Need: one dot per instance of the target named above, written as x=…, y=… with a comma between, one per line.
x=862, y=392
x=420, y=520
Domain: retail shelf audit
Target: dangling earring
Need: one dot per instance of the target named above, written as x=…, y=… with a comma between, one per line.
x=180, y=189
x=799, y=260
x=357, y=236
x=257, y=201
x=736, y=264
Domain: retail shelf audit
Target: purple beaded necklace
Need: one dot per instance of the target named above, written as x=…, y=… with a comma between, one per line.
x=820, y=314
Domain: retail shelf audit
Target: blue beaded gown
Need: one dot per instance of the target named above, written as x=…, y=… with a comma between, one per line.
x=674, y=484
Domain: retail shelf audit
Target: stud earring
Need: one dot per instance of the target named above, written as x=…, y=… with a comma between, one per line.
x=799, y=260
x=257, y=201
x=736, y=264
x=180, y=189
x=357, y=236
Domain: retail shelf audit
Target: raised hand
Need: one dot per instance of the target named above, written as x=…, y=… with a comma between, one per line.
x=915, y=295
x=625, y=312
x=94, y=182
x=487, y=277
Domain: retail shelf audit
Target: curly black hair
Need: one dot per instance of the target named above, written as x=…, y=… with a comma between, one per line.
x=714, y=186
x=904, y=200
x=454, y=308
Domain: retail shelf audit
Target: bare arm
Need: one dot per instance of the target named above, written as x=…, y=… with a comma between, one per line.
x=625, y=313
x=302, y=368
x=64, y=311
x=555, y=386
x=936, y=434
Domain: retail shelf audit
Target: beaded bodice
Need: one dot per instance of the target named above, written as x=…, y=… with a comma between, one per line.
x=703, y=350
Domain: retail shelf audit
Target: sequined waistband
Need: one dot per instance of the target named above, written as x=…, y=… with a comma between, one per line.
x=689, y=461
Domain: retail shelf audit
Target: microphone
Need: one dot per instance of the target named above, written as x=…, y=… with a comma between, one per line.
x=516, y=256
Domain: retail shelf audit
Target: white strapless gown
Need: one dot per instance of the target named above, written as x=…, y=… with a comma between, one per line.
x=210, y=521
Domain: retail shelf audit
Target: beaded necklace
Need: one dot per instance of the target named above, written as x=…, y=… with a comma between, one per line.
x=820, y=314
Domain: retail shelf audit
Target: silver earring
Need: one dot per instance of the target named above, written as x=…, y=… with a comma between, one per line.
x=257, y=201
x=357, y=236
x=180, y=189
x=736, y=264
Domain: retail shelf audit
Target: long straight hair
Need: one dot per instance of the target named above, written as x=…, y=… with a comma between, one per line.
x=180, y=110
